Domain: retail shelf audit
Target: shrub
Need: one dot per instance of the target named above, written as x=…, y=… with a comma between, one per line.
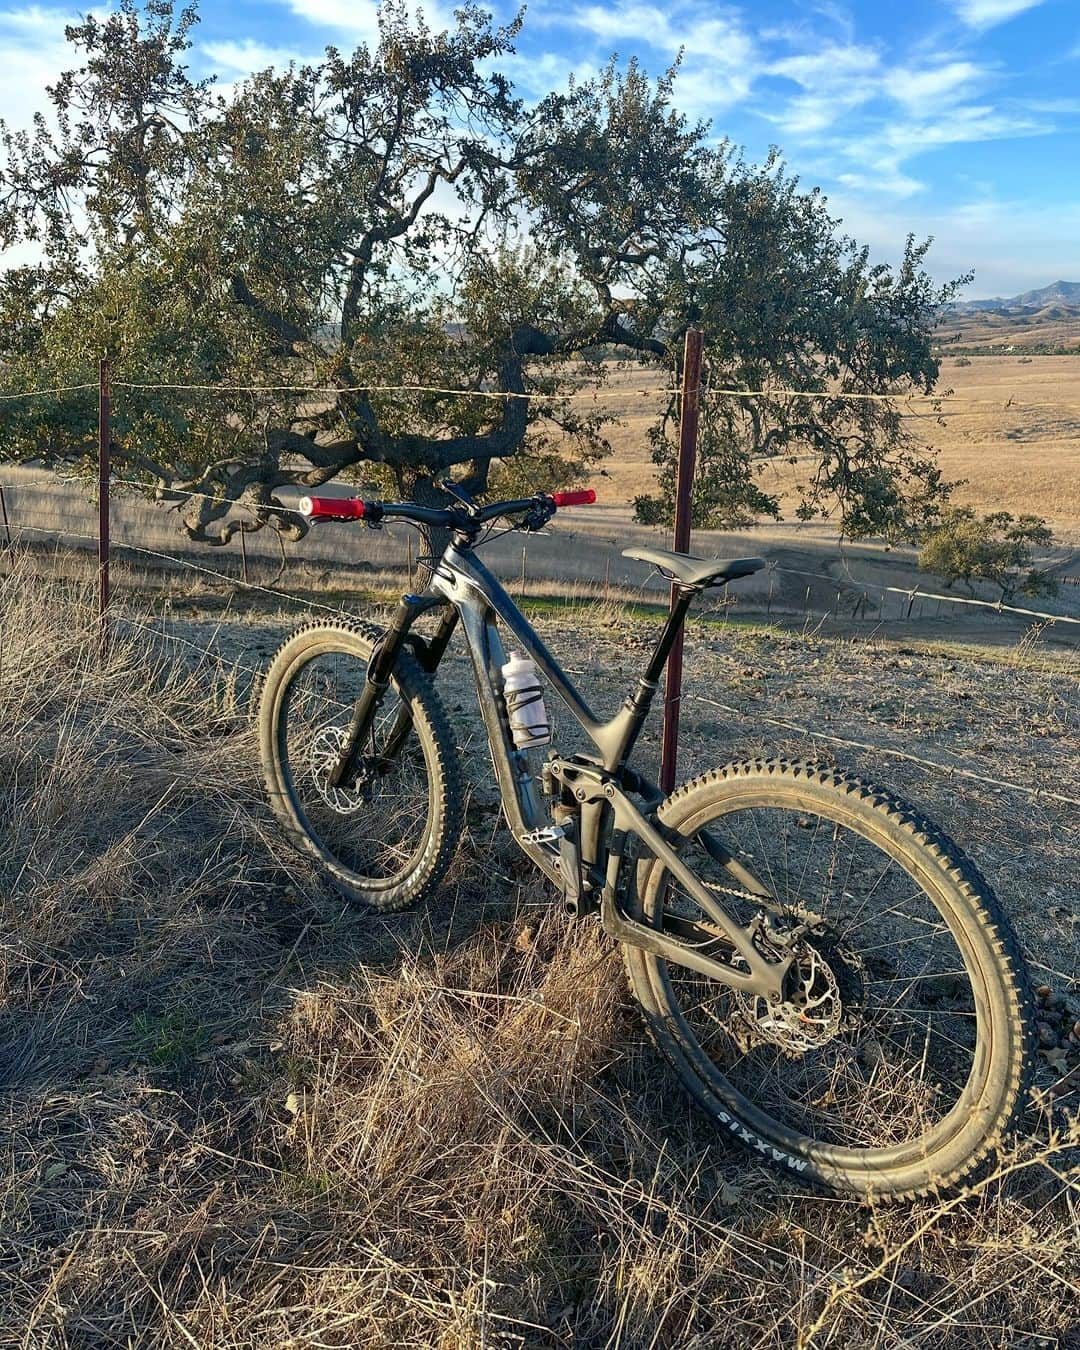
x=997, y=548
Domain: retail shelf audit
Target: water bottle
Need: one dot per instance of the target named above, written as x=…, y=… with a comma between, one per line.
x=525, y=702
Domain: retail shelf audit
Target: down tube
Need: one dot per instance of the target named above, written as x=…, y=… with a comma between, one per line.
x=516, y=784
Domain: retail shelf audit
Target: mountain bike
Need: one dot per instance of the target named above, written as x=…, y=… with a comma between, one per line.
x=828, y=974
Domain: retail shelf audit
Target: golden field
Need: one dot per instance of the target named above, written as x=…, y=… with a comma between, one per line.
x=1011, y=428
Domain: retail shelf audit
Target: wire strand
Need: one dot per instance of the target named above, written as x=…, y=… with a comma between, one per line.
x=12, y=395
x=182, y=562
x=949, y=769
x=943, y=401
x=915, y=592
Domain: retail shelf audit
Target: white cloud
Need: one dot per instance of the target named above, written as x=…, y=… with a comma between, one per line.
x=987, y=13
x=833, y=64
x=643, y=23
x=883, y=176
x=721, y=58
x=963, y=124
x=244, y=58
x=933, y=84
x=876, y=159
x=35, y=54
x=358, y=21
x=834, y=79
x=359, y=18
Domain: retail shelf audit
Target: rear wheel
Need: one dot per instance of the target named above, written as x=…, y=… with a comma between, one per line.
x=386, y=836
x=900, y=1054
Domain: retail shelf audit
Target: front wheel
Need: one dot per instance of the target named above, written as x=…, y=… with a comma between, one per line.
x=901, y=1052
x=385, y=837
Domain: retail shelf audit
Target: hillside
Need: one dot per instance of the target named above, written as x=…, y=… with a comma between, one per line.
x=1064, y=292
x=1046, y=319
x=238, y=1114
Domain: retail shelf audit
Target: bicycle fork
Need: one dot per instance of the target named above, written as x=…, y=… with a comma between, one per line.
x=428, y=652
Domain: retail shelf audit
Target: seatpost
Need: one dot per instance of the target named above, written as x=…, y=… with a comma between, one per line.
x=675, y=620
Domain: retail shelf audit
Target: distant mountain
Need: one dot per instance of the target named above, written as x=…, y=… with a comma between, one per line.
x=1057, y=293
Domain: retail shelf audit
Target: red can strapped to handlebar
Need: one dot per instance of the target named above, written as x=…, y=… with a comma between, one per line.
x=580, y=497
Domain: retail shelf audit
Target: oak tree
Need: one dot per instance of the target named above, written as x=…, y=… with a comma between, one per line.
x=363, y=266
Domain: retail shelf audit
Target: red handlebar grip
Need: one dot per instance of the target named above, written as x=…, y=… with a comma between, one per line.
x=331, y=508
x=581, y=497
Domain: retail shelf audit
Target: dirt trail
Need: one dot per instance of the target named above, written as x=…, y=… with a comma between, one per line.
x=809, y=575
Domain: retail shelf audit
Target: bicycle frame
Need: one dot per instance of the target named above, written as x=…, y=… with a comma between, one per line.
x=599, y=788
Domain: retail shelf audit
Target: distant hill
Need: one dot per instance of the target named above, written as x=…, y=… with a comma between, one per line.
x=1058, y=292
x=1047, y=320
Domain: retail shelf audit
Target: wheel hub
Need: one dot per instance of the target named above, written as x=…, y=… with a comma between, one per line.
x=822, y=998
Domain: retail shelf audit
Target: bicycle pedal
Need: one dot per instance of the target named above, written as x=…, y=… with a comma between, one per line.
x=547, y=834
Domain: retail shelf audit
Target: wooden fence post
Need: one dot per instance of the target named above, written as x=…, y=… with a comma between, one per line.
x=104, y=443
x=689, y=409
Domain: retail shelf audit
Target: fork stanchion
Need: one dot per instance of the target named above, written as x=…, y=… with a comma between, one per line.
x=688, y=429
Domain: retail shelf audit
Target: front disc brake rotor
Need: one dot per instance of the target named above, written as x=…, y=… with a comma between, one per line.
x=326, y=749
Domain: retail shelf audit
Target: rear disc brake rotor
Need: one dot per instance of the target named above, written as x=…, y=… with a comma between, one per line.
x=825, y=994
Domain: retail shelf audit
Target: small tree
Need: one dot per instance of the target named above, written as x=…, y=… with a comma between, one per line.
x=997, y=548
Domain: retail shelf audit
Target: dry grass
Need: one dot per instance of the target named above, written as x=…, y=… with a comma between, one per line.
x=1019, y=452
x=236, y=1116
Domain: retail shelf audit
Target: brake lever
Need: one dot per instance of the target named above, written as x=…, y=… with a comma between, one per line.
x=536, y=517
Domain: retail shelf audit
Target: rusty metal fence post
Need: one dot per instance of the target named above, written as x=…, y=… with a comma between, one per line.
x=7, y=523
x=104, y=442
x=688, y=429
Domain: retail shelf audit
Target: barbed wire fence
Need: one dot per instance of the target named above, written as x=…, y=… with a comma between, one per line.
x=851, y=601
x=912, y=603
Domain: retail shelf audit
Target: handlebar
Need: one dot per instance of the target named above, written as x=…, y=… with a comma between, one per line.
x=453, y=517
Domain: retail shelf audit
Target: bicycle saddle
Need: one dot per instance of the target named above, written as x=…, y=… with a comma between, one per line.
x=697, y=572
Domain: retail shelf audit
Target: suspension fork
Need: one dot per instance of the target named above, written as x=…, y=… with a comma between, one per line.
x=377, y=681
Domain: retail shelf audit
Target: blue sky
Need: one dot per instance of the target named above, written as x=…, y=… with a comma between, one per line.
x=957, y=118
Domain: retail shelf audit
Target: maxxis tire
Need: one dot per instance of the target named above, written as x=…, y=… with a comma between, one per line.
x=976, y=923
x=432, y=731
